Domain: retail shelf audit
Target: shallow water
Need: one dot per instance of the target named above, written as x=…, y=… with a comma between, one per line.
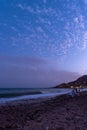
x=10, y=94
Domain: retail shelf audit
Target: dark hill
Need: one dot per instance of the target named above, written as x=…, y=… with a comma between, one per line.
x=80, y=82
x=82, y=79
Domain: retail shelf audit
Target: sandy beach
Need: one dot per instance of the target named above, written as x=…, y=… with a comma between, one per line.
x=59, y=113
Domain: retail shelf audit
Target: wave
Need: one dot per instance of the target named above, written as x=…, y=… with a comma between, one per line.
x=35, y=96
x=38, y=94
x=16, y=94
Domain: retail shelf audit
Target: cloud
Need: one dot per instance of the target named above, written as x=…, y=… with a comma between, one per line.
x=76, y=20
x=22, y=60
x=38, y=10
x=31, y=72
x=26, y=7
x=84, y=45
x=29, y=77
x=46, y=29
x=44, y=1
x=21, y=6
x=40, y=29
x=85, y=1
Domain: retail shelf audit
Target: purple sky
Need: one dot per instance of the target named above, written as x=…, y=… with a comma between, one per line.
x=32, y=72
x=42, y=42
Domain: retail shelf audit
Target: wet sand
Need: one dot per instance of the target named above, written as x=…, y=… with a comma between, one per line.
x=60, y=113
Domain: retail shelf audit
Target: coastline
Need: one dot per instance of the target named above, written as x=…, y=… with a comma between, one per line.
x=56, y=113
x=35, y=97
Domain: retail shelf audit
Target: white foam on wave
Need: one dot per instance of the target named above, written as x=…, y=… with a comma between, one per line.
x=36, y=96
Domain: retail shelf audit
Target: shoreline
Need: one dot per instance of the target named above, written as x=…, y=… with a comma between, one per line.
x=43, y=96
x=57, y=113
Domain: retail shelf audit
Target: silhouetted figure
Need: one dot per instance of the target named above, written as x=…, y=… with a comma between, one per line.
x=77, y=91
x=73, y=92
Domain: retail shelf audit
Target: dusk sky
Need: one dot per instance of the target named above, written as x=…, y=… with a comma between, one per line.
x=42, y=42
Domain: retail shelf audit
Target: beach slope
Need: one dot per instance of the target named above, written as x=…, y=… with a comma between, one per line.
x=59, y=113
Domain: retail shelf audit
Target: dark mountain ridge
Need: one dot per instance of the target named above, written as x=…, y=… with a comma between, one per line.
x=80, y=82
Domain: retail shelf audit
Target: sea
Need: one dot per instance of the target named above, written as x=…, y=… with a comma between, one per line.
x=12, y=94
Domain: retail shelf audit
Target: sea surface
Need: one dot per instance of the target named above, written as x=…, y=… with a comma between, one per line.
x=10, y=94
